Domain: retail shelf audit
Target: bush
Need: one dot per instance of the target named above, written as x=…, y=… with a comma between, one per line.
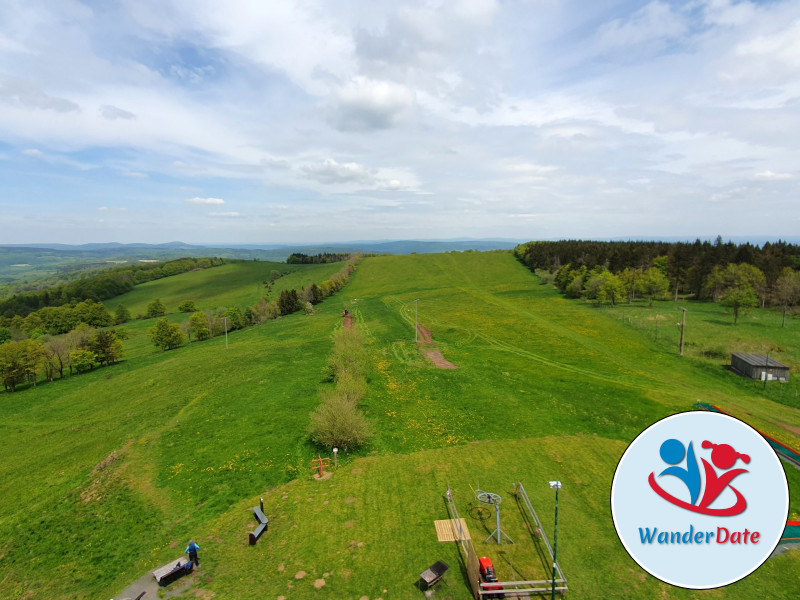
x=545, y=276
x=187, y=306
x=351, y=387
x=337, y=423
x=156, y=308
x=348, y=355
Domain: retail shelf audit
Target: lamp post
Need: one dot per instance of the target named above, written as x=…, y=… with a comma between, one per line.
x=225, y=321
x=683, y=326
x=335, y=457
x=557, y=486
x=416, y=326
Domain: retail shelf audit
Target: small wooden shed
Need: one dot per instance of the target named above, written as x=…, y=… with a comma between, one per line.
x=759, y=366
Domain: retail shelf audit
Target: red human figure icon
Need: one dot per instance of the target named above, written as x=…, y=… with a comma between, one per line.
x=724, y=457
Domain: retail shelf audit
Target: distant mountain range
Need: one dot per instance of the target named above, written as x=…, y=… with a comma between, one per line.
x=278, y=251
x=30, y=266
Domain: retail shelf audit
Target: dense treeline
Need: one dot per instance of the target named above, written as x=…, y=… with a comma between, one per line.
x=610, y=272
x=79, y=351
x=298, y=258
x=687, y=265
x=101, y=286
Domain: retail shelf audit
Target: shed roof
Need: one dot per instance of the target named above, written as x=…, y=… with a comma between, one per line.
x=758, y=360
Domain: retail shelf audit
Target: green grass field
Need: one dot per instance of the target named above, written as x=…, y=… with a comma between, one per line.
x=118, y=468
x=236, y=283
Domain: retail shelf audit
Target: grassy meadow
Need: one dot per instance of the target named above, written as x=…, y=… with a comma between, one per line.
x=235, y=283
x=117, y=469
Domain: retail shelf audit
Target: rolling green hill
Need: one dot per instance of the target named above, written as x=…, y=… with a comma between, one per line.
x=118, y=468
x=236, y=283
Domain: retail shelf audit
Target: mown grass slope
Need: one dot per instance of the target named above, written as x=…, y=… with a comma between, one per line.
x=120, y=467
x=236, y=283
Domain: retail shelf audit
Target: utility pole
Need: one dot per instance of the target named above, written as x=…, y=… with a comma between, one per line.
x=766, y=371
x=557, y=486
x=683, y=326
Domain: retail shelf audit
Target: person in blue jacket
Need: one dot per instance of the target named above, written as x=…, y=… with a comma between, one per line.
x=191, y=550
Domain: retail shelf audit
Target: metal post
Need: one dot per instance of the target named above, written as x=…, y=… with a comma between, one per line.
x=766, y=371
x=225, y=321
x=262, y=505
x=557, y=486
x=335, y=457
x=683, y=326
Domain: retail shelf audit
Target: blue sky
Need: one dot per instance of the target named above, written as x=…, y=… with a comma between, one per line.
x=293, y=122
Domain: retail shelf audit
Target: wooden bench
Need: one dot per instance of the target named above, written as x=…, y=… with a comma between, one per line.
x=171, y=571
x=433, y=574
x=263, y=524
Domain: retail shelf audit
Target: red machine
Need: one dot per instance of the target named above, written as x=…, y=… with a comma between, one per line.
x=488, y=576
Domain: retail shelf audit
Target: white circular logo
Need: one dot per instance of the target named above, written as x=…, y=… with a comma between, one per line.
x=699, y=500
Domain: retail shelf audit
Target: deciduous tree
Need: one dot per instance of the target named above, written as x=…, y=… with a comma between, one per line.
x=82, y=360
x=166, y=335
x=156, y=308
x=787, y=290
x=122, y=314
x=199, y=327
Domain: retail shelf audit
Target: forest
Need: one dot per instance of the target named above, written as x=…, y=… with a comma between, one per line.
x=738, y=276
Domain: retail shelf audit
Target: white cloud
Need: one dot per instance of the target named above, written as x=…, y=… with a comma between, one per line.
x=331, y=172
x=28, y=95
x=530, y=168
x=364, y=105
x=652, y=23
x=112, y=113
x=102, y=208
x=224, y=214
x=198, y=200
x=770, y=176
x=472, y=107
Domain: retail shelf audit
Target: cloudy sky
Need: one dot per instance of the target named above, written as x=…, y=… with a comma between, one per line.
x=300, y=121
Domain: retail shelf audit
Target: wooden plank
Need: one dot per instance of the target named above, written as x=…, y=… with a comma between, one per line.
x=447, y=530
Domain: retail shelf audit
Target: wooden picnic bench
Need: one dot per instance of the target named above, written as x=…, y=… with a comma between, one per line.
x=171, y=571
x=433, y=574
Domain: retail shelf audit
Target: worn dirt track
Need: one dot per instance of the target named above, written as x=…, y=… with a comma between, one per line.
x=428, y=348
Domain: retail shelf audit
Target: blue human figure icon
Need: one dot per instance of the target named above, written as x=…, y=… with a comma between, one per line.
x=672, y=453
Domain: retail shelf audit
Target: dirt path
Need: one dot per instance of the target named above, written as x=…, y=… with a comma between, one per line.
x=348, y=321
x=429, y=349
x=425, y=335
x=438, y=359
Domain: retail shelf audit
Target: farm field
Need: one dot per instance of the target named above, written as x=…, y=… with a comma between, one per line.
x=118, y=468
